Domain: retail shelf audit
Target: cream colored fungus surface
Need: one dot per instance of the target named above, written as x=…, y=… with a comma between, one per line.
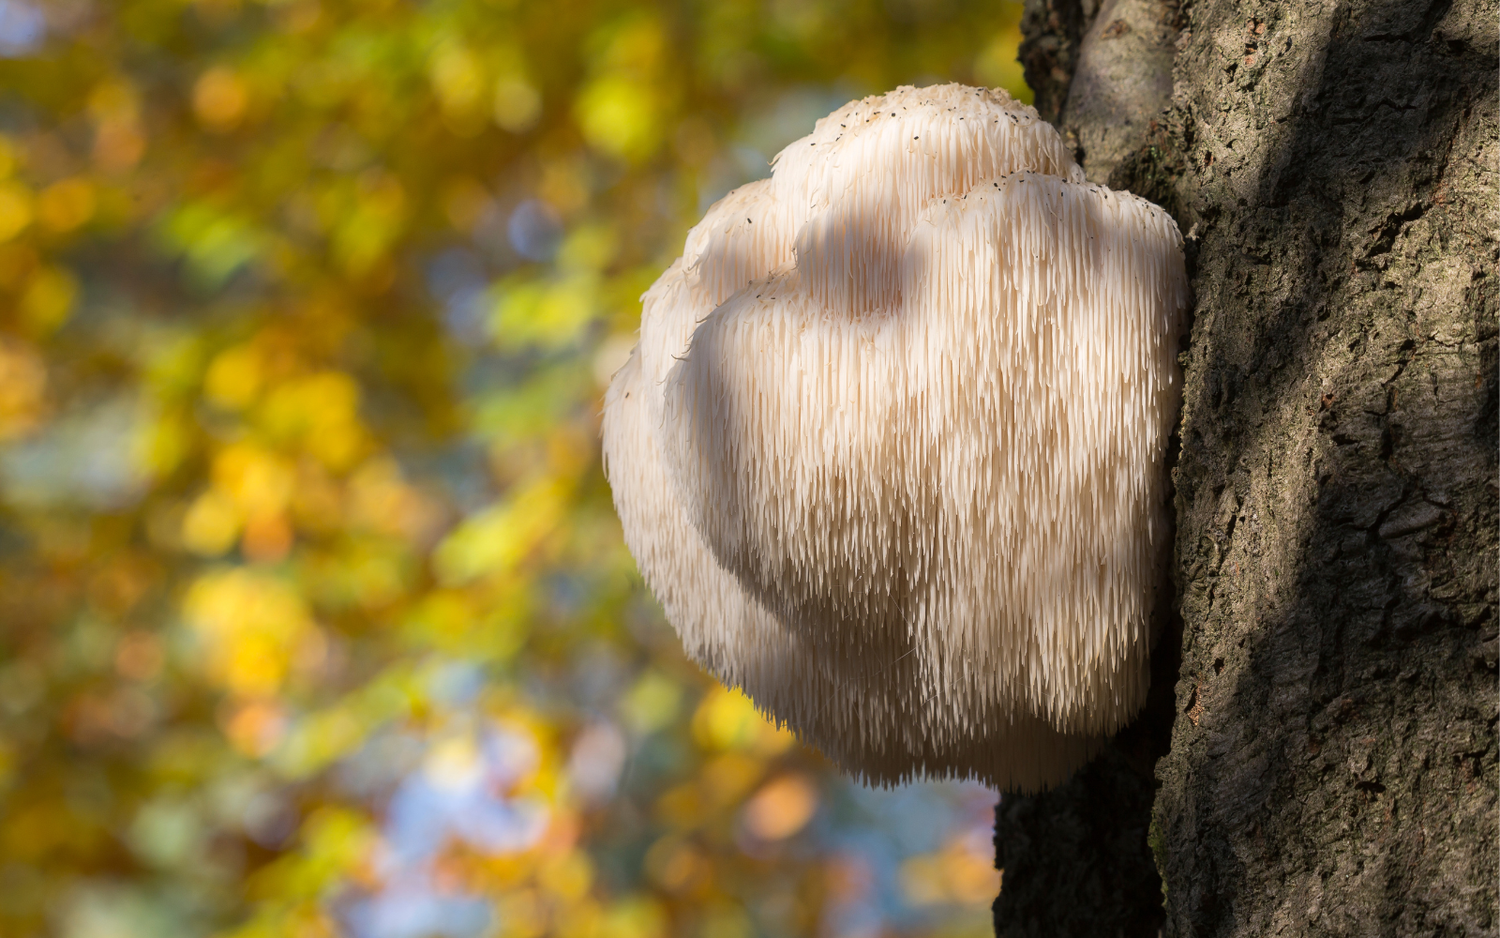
x=889, y=450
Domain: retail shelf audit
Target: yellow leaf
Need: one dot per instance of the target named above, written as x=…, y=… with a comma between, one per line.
x=550, y=313
x=233, y=378
x=517, y=104
x=23, y=386
x=367, y=233
x=635, y=918
x=458, y=79
x=259, y=482
x=568, y=876
x=499, y=538
x=211, y=524
x=250, y=625
x=66, y=205
x=588, y=249
x=48, y=300
x=621, y=117
x=726, y=719
x=729, y=776
x=219, y=99
x=16, y=209
x=320, y=413
x=162, y=444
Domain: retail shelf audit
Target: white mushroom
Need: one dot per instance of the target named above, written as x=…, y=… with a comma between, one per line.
x=890, y=448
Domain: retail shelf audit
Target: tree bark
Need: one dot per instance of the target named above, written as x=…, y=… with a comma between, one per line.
x=1330, y=749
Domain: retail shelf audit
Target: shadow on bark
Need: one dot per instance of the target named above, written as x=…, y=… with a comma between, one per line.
x=1337, y=696
x=1339, y=708
x=1076, y=859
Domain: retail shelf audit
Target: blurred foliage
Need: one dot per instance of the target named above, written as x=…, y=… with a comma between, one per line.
x=314, y=614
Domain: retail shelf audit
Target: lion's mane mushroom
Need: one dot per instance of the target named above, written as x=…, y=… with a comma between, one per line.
x=889, y=450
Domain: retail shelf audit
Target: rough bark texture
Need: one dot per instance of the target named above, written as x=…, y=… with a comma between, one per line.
x=1076, y=859
x=1123, y=81
x=1335, y=769
x=1053, y=32
x=1333, y=764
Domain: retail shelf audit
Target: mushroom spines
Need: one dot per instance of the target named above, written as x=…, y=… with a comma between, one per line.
x=904, y=484
x=854, y=187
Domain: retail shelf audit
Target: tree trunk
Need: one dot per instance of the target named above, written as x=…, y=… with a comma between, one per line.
x=1330, y=759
